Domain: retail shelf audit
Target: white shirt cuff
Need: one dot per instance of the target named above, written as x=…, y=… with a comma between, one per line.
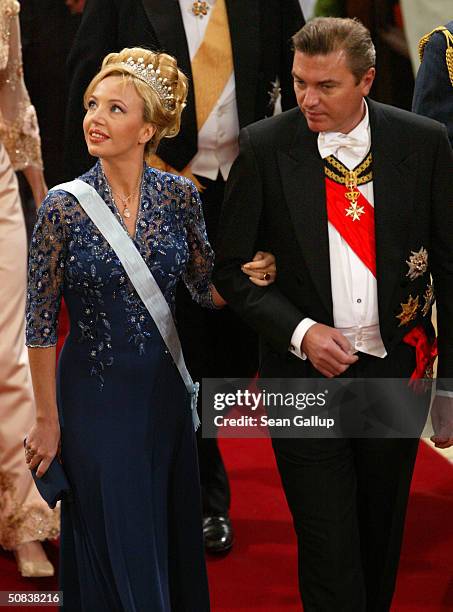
x=298, y=336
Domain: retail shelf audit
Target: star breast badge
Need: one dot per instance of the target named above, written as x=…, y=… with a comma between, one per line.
x=408, y=311
x=418, y=263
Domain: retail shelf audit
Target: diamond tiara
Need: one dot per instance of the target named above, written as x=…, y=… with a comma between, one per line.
x=151, y=77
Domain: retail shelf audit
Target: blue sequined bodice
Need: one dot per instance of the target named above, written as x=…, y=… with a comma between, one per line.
x=69, y=257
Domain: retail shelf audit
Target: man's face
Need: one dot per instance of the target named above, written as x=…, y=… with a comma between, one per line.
x=327, y=92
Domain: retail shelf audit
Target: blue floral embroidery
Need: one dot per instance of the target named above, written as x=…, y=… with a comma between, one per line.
x=70, y=258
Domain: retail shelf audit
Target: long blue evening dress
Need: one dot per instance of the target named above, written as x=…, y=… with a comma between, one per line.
x=131, y=537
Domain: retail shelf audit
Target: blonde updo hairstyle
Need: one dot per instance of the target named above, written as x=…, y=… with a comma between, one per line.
x=166, y=118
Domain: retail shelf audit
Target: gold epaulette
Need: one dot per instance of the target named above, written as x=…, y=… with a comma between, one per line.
x=448, y=52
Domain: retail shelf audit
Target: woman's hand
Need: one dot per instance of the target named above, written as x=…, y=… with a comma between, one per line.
x=217, y=299
x=262, y=271
x=42, y=445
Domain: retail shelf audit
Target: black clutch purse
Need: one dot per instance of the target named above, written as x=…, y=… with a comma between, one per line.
x=53, y=485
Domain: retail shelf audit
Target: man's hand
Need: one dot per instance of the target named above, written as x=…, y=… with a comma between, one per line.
x=328, y=350
x=442, y=420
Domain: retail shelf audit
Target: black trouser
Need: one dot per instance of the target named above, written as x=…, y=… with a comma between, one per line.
x=348, y=499
x=215, y=344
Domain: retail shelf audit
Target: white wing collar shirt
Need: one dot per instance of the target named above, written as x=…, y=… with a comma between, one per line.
x=354, y=288
x=218, y=138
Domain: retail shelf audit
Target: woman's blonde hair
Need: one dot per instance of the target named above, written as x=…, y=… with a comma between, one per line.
x=165, y=114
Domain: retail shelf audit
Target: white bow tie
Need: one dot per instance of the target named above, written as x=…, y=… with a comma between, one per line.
x=330, y=142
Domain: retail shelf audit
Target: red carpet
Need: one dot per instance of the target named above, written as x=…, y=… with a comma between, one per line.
x=260, y=572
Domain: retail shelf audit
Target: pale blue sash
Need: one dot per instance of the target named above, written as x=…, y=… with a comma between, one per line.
x=139, y=274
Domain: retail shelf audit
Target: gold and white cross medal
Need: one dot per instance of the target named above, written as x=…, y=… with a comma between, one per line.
x=354, y=210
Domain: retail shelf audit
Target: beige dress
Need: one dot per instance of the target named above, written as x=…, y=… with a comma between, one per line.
x=24, y=516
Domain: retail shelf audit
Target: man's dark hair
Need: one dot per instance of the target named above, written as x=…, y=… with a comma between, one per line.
x=325, y=35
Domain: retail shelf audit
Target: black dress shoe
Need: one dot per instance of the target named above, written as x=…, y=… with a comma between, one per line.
x=217, y=534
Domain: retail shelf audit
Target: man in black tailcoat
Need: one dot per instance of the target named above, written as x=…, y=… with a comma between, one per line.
x=255, y=37
x=354, y=199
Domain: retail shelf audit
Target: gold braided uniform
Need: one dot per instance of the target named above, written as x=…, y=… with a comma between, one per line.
x=448, y=52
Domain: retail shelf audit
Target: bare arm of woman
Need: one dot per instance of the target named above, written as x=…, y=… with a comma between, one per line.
x=35, y=178
x=44, y=437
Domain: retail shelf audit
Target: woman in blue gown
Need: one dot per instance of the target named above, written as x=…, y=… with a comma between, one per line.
x=131, y=537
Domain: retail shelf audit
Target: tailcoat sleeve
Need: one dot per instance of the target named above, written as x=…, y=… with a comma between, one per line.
x=242, y=228
x=442, y=252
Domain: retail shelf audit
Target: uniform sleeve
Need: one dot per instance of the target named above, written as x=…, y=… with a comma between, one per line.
x=198, y=274
x=18, y=124
x=433, y=93
x=46, y=273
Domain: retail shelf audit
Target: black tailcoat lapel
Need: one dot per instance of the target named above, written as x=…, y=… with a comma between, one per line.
x=394, y=179
x=166, y=21
x=302, y=172
x=244, y=23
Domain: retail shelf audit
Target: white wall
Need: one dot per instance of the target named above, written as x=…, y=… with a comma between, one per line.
x=420, y=17
x=307, y=7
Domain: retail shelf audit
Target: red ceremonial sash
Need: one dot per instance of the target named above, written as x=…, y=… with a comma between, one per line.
x=359, y=233
x=360, y=236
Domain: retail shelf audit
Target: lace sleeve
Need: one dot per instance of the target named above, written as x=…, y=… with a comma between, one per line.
x=46, y=272
x=198, y=273
x=19, y=130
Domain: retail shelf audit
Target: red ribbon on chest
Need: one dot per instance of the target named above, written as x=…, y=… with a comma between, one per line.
x=354, y=220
